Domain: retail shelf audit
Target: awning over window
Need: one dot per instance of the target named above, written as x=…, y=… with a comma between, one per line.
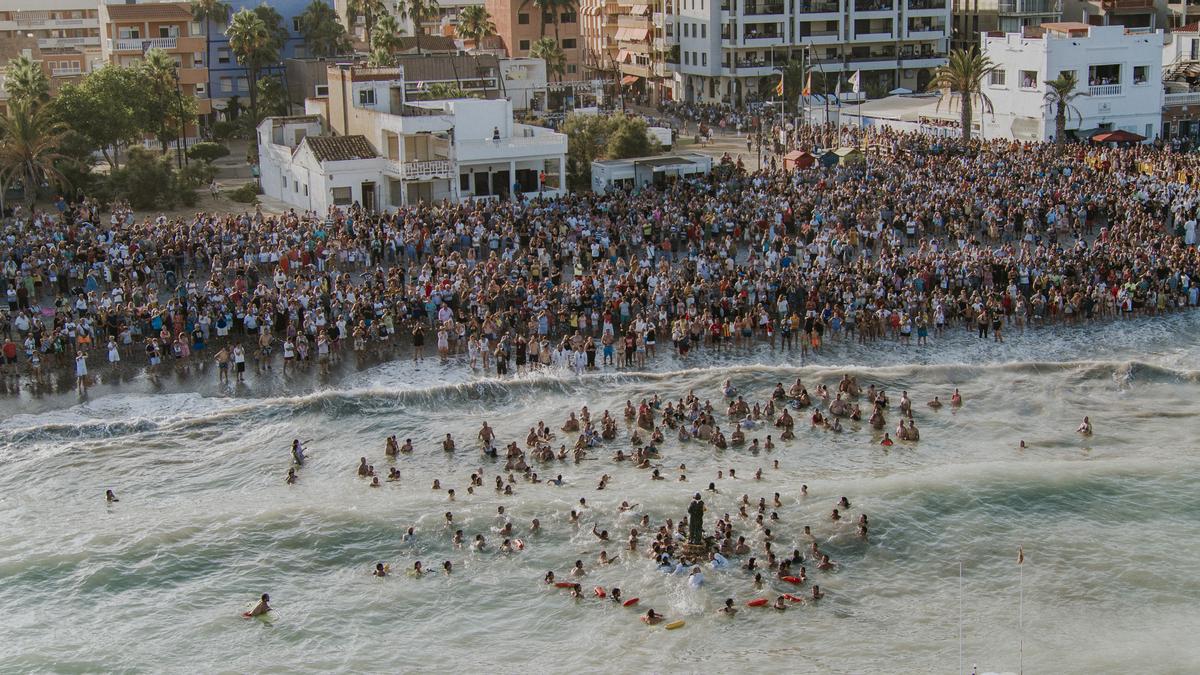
x=640, y=10
x=623, y=56
x=632, y=34
x=629, y=79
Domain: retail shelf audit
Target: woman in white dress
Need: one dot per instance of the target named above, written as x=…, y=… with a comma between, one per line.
x=81, y=370
x=114, y=354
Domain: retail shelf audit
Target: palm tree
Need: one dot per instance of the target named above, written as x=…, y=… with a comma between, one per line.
x=560, y=7
x=474, y=24
x=1058, y=98
x=254, y=46
x=207, y=12
x=385, y=39
x=545, y=7
x=419, y=11
x=26, y=81
x=369, y=10
x=547, y=49
x=31, y=140
x=159, y=68
x=324, y=34
x=963, y=74
x=275, y=26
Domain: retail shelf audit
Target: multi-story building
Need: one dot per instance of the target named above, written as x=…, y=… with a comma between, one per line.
x=1128, y=13
x=389, y=149
x=62, y=35
x=55, y=24
x=733, y=51
x=129, y=31
x=1119, y=69
x=442, y=23
x=972, y=17
x=226, y=77
x=1181, y=84
x=520, y=23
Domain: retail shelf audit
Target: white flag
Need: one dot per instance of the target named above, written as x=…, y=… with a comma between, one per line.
x=854, y=80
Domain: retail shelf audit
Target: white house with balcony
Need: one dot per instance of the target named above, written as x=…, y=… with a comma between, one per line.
x=1119, y=70
x=419, y=150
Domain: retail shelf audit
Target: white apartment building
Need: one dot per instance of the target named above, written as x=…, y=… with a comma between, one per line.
x=1119, y=69
x=732, y=50
x=387, y=150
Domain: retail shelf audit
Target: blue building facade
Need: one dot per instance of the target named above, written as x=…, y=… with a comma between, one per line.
x=226, y=77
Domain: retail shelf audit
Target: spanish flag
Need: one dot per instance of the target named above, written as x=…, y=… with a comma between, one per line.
x=779, y=87
x=807, y=85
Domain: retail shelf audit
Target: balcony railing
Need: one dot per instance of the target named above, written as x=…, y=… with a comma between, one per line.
x=818, y=7
x=1030, y=6
x=66, y=72
x=424, y=169
x=142, y=44
x=755, y=10
x=873, y=6
x=1111, y=5
x=1104, y=90
x=1182, y=98
x=926, y=4
x=49, y=43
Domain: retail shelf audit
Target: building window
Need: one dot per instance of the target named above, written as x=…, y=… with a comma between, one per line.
x=305, y=190
x=567, y=17
x=523, y=45
x=1195, y=49
x=285, y=182
x=321, y=90
x=201, y=88
x=523, y=19
x=568, y=43
x=366, y=97
x=226, y=85
x=704, y=59
x=243, y=84
x=1141, y=74
x=1029, y=79
x=572, y=69
x=296, y=24
x=195, y=28
x=998, y=78
x=342, y=196
x=1105, y=74
x=127, y=33
x=222, y=54
x=168, y=31
x=703, y=31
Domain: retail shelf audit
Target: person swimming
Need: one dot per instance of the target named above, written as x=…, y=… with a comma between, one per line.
x=1085, y=427
x=263, y=606
x=110, y=496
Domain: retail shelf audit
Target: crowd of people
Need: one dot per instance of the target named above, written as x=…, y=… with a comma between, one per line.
x=923, y=236
x=753, y=542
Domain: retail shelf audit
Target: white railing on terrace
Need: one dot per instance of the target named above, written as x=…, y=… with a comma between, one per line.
x=424, y=169
x=1104, y=90
x=142, y=44
x=1182, y=98
x=90, y=41
x=66, y=72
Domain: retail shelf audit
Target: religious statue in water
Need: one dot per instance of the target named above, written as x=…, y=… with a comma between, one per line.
x=696, y=520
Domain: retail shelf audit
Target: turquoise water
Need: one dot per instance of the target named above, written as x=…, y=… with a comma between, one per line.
x=1109, y=524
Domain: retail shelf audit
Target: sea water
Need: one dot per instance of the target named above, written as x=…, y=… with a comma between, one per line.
x=1110, y=524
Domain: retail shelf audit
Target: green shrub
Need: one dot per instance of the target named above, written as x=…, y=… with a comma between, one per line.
x=207, y=151
x=224, y=130
x=197, y=173
x=246, y=194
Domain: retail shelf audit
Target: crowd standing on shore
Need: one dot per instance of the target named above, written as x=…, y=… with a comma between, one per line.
x=926, y=235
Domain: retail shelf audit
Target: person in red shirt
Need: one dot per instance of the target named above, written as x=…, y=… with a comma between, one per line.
x=8, y=357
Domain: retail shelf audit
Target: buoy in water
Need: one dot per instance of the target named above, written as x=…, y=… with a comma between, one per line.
x=757, y=602
x=630, y=602
x=674, y=624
